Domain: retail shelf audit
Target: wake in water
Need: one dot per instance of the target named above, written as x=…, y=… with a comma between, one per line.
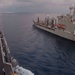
x=23, y=71
x=20, y=70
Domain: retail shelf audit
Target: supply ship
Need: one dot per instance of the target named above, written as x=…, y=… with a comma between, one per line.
x=8, y=64
x=63, y=26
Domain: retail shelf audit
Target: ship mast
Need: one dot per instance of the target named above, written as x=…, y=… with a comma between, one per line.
x=71, y=8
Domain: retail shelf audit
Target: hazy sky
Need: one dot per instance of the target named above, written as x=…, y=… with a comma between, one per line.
x=35, y=5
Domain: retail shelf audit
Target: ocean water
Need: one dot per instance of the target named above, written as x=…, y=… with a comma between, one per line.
x=36, y=50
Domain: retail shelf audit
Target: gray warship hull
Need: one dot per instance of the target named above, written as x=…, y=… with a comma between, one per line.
x=59, y=32
x=63, y=26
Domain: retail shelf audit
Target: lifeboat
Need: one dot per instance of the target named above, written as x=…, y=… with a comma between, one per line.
x=61, y=26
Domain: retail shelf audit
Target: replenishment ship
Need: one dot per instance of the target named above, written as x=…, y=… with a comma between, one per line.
x=63, y=26
x=8, y=64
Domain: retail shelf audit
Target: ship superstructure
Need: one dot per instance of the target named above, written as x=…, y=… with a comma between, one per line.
x=63, y=25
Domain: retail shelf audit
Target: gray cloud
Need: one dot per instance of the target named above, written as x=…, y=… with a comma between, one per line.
x=34, y=5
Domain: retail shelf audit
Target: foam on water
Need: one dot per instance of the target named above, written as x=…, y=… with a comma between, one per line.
x=23, y=71
x=20, y=70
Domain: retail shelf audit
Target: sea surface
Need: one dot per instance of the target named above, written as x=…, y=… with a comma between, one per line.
x=41, y=52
